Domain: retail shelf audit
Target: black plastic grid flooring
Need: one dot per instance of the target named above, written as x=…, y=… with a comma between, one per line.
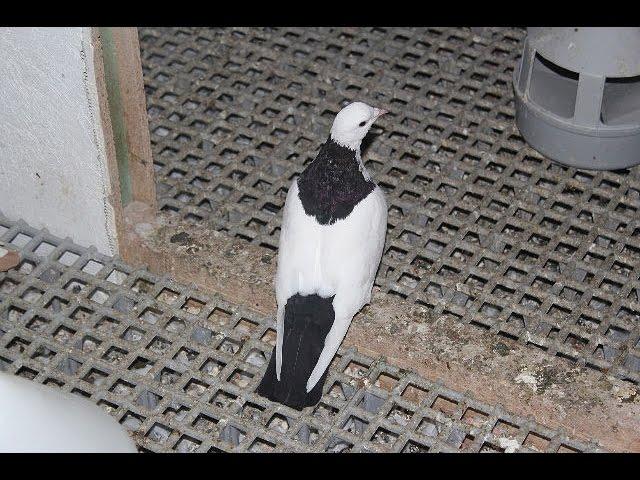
x=482, y=229
x=178, y=370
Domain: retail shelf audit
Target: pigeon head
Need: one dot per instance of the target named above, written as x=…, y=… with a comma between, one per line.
x=352, y=123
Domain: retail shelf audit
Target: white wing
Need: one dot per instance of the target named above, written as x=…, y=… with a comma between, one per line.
x=339, y=259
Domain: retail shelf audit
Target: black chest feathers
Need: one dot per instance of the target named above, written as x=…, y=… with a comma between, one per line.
x=332, y=185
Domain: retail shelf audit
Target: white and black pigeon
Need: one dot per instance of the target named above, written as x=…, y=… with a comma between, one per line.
x=332, y=237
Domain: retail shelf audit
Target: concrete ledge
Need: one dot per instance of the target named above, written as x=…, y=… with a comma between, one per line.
x=585, y=404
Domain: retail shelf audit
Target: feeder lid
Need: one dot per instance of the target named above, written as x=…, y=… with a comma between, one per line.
x=602, y=51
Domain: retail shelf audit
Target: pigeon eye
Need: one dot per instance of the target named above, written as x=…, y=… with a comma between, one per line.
x=362, y=124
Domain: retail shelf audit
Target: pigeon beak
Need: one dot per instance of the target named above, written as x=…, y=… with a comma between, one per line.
x=378, y=112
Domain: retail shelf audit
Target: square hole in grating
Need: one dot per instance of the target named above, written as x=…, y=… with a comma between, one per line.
x=240, y=378
x=12, y=314
x=536, y=442
x=341, y=391
x=192, y=306
x=8, y=285
x=269, y=337
x=21, y=239
x=27, y=373
x=232, y=435
x=260, y=445
x=505, y=429
x=201, y=335
x=384, y=438
x=205, y=423
x=122, y=387
x=132, y=421
x=54, y=382
x=245, y=326
x=43, y=354
x=187, y=444
x=195, y=387
x=278, y=423
x=68, y=258
x=325, y=412
x=467, y=443
x=116, y=276
x=256, y=357
x=400, y=415
x=386, y=382
x=230, y=345
x=151, y=315
x=148, y=399
x=307, y=434
x=175, y=325
x=167, y=376
x=158, y=345
x=371, y=403
x=223, y=399
x=168, y=296
x=107, y=325
x=99, y=295
x=92, y=267
x=567, y=449
x=4, y=364
x=414, y=447
x=576, y=342
x=141, y=365
x=50, y=275
x=430, y=427
x=159, y=433
x=18, y=344
x=133, y=334
x=108, y=406
x=95, y=377
x=338, y=445
x=69, y=366
x=474, y=417
x=26, y=267
x=253, y=411
x=75, y=286
x=355, y=425
x=63, y=334
x=212, y=367
x=445, y=405
x=185, y=356
x=38, y=324
x=32, y=294
x=114, y=355
x=356, y=370
x=488, y=447
x=80, y=314
x=142, y=286
x=44, y=249
x=81, y=393
x=125, y=305
x=220, y=317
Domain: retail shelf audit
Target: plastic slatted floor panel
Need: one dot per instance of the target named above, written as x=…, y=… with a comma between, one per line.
x=482, y=228
x=178, y=369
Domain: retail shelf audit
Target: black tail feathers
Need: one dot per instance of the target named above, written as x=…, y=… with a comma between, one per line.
x=307, y=321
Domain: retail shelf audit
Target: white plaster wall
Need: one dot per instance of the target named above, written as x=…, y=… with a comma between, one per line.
x=53, y=170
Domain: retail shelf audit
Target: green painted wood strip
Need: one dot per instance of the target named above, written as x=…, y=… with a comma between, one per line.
x=116, y=111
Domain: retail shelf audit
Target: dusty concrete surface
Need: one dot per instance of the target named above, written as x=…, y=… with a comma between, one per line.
x=586, y=404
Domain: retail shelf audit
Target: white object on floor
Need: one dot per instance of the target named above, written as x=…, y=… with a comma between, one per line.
x=36, y=418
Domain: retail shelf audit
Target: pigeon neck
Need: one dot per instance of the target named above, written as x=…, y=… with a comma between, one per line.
x=346, y=141
x=334, y=183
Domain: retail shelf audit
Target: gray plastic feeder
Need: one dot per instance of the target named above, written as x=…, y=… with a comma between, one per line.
x=577, y=95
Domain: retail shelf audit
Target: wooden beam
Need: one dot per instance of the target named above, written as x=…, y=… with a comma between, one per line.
x=128, y=110
x=123, y=113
